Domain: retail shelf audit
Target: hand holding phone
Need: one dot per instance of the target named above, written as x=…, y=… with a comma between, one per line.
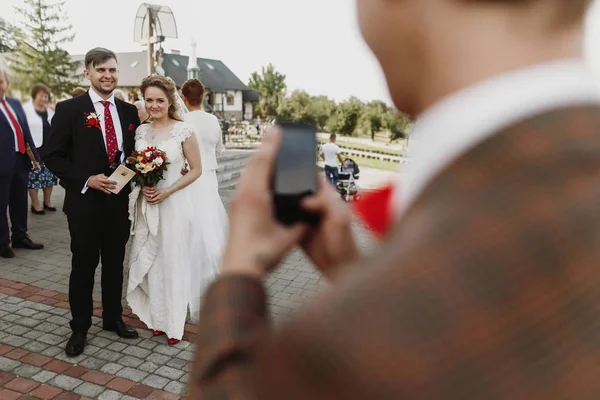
x=295, y=173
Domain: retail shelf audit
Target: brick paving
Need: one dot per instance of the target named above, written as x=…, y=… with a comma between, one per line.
x=34, y=316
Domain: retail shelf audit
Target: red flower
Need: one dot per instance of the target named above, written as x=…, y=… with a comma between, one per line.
x=91, y=120
x=131, y=127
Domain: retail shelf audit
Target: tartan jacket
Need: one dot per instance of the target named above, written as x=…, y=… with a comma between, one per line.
x=489, y=288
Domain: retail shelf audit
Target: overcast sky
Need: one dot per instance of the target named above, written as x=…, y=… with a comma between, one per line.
x=316, y=43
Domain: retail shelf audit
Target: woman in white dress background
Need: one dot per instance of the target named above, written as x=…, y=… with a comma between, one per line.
x=213, y=217
x=165, y=220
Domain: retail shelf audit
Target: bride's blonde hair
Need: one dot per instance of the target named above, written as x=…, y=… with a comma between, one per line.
x=168, y=87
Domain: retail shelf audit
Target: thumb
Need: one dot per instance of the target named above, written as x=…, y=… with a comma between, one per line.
x=315, y=203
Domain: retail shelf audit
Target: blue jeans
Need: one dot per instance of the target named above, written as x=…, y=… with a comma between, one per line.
x=332, y=173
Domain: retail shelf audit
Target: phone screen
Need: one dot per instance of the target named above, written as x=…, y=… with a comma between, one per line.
x=296, y=164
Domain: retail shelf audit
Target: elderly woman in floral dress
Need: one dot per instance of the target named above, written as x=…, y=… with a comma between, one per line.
x=39, y=116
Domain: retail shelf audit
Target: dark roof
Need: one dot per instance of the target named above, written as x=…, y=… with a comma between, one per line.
x=213, y=73
x=250, y=95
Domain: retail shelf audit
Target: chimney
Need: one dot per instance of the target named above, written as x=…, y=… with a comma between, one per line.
x=193, y=68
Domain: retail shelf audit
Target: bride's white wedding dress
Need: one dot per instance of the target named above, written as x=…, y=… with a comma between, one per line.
x=167, y=274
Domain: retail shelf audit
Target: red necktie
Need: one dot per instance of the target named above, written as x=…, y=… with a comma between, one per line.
x=20, y=138
x=375, y=209
x=112, y=146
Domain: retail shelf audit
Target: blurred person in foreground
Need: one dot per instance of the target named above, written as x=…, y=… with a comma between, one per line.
x=488, y=285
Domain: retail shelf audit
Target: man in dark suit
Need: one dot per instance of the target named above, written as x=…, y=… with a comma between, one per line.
x=89, y=133
x=15, y=165
x=489, y=285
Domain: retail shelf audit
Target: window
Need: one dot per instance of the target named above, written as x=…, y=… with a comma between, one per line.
x=230, y=99
x=210, y=66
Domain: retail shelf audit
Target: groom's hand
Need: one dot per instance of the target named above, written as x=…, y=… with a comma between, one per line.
x=102, y=183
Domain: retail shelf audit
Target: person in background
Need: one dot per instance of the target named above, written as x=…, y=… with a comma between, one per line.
x=119, y=94
x=78, y=91
x=213, y=221
x=15, y=165
x=331, y=154
x=142, y=112
x=39, y=117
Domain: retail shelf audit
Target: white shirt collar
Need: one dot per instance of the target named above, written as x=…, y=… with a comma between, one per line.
x=97, y=99
x=460, y=121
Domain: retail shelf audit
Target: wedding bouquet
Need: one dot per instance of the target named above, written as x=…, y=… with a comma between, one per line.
x=148, y=165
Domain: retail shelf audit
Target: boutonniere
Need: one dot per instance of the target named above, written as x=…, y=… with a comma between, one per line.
x=92, y=120
x=131, y=127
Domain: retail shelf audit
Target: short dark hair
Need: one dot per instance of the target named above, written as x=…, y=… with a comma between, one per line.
x=40, y=87
x=194, y=91
x=332, y=136
x=98, y=55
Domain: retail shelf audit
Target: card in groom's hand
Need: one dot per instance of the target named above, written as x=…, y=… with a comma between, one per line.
x=122, y=176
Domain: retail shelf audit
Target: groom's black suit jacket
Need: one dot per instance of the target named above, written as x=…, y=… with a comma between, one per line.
x=75, y=152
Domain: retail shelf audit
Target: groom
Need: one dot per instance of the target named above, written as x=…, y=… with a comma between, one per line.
x=88, y=133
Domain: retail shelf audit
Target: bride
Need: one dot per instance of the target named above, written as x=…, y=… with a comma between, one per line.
x=163, y=276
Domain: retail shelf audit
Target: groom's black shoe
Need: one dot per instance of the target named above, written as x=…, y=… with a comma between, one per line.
x=121, y=329
x=6, y=252
x=28, y=244
x=76, y=344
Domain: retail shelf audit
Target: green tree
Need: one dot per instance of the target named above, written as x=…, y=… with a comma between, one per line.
x=372, y=120
x=7, y=36
x=346, y=116
x=270, y=84
x=398, y=125
x=39, y=57
x=302, y=107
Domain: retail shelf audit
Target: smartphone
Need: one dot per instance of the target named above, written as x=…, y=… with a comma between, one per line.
x=295, y=174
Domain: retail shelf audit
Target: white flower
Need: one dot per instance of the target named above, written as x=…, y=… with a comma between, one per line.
x=148, y=154
x=158, y=161
x=139, y=166
x=92, y=116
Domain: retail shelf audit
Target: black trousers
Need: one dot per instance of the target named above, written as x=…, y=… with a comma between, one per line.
x=97, y=235
x=13, y=195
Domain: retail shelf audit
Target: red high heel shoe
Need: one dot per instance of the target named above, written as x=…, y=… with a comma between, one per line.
x=157, y=333
x=173, y=341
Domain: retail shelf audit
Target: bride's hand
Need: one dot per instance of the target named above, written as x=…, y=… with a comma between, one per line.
x=148, y=191
x=157, y=196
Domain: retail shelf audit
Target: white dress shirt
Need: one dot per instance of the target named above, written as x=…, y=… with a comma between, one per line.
x=99, y=108
x=464, y=119
x=10, y=122
x=209, y=135
x=97, y=100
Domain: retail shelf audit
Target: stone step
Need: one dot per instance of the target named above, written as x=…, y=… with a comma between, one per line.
x=231, y=164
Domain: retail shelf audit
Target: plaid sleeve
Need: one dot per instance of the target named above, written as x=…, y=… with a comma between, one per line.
x=234, y=314
x=488, y=289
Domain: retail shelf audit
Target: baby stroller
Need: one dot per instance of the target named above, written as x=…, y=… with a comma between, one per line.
x=347, y=186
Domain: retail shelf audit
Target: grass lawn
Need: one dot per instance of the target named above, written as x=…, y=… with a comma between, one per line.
x=377, y=164
x=359, y=147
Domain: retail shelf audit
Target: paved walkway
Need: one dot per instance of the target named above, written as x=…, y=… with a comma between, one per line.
x=34, y=315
